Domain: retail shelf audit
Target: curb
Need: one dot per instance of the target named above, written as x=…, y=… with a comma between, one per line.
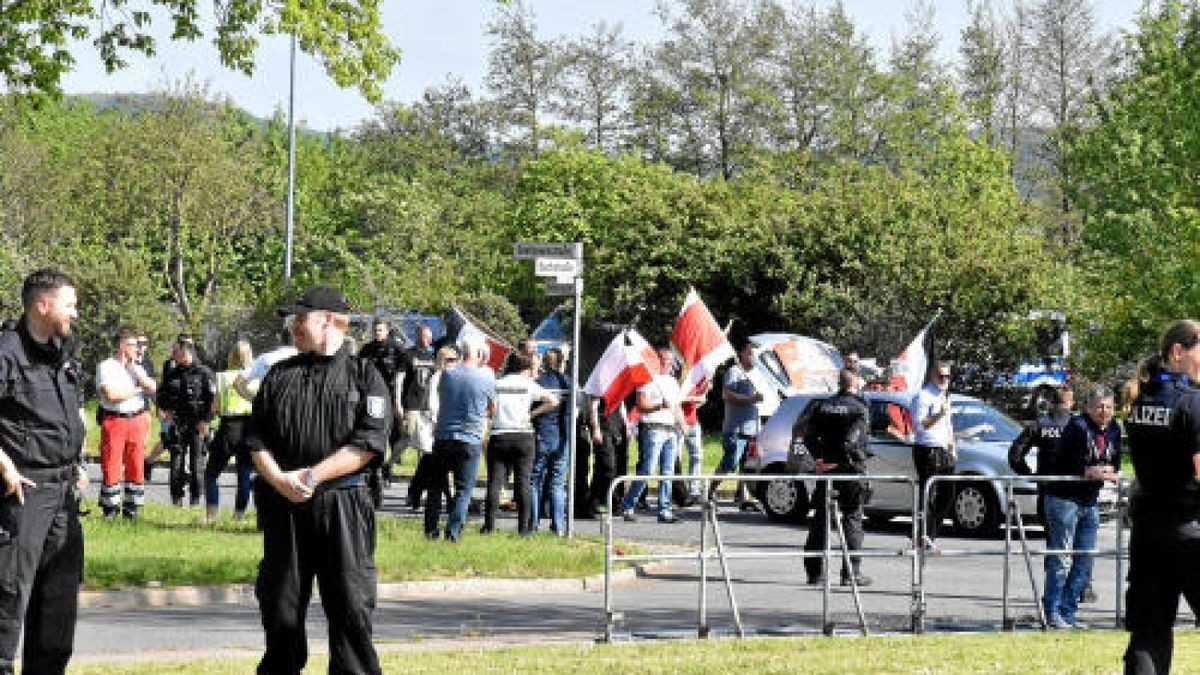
x=243, y=594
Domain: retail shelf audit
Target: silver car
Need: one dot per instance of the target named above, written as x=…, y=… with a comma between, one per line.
x=984, y=435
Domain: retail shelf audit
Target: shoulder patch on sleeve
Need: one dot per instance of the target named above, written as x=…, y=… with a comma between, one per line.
x=376, y=406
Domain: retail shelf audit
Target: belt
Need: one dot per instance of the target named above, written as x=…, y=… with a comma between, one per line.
x=347, y=481
x=113, y=413
x=658, y=425
x=56, y=474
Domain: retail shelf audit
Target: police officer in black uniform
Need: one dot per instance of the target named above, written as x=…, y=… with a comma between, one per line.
x=387, y=355
x=1042, y=435
x=41, y=443
x=320, y=419
x=836, y=436
x=1164, y=548
x=186, y=395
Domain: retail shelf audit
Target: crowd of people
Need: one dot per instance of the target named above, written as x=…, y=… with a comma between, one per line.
x=314, y=420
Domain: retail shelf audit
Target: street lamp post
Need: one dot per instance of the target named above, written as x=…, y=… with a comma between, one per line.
x=291, y=177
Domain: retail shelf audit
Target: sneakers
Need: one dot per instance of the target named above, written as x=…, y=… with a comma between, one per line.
x=629, y=516
x=1088, y=594
x=668, y=518
x=750, y=505
x=1058, y=623
x=930, y=546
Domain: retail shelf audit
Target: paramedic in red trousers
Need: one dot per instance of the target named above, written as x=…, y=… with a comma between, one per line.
x=41, y=444
x=320, y=419
x=125, y=390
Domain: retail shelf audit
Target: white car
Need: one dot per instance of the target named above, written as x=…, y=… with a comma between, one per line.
x=793, y=364
x=984, y=436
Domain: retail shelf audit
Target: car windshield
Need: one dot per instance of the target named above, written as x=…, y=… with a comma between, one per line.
x=978, y=421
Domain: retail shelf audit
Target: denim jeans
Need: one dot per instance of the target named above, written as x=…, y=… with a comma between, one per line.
x=1070, y=526
x=733, y=446
x=549, y=472
x=657, y=447
x=460, y=459
x=693, y=440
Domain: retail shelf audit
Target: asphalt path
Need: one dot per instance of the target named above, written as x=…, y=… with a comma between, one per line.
x=963, y=593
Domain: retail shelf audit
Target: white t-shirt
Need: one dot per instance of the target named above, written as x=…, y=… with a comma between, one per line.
x=515, y=395
x=926, y=402
x=663, y=388
x=110, y=373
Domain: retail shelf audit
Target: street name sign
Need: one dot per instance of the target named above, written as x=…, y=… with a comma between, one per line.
x=530, y=250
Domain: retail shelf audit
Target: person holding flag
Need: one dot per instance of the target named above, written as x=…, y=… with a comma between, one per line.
x=659, y=425
x=934, y=453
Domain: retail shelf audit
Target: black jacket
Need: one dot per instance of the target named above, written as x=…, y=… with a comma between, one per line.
x=40, y=425
x=1044, y=435
x=1164, y=436
x=837, y=431
x=387, y=356
x=1079, y=448
x=187, y=392
x=309, y=406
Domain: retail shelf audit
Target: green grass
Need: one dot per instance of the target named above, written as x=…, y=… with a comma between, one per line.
x=173, y=546
x=1068, y=652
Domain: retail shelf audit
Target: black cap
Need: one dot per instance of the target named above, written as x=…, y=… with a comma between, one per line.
x=317, y=299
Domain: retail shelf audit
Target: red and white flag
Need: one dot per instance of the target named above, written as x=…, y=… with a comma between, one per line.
x=911, y=366
x=699, y=342
x=460, y=325
x=621, y=369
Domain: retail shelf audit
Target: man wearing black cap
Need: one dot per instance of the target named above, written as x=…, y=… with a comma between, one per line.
x=320, y=419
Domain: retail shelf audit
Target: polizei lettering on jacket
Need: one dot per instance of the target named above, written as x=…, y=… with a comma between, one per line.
x=1150, y=415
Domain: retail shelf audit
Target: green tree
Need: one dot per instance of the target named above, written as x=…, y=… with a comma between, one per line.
x=595, y=78
x=523, y=73
x=1135, y=176
x=346, y=37
x=982, y=70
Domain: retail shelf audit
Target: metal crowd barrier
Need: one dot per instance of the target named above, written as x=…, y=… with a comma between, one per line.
x=704, y=554
x=1013, y=518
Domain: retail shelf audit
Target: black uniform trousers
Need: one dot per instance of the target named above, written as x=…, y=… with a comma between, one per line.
x=41, y=566
x=1164, y=562
x=331, y=537
x=507, y=452
x=934, y=461
x=603, y=462
x=849, y=496
x=186, y=458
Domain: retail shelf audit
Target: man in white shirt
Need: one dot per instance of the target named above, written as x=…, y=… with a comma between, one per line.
x=124, y=423
x=934, y=453
x=659, y=426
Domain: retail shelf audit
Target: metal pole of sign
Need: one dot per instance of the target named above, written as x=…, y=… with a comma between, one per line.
x=573, y=435
x=291, y=175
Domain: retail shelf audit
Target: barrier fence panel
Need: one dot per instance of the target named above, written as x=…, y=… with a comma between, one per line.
x=915, y=550
x=1013, y=517
x=710, y=521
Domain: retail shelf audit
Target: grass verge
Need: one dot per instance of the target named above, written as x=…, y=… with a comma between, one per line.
x=174, y=546
x=1065, y=652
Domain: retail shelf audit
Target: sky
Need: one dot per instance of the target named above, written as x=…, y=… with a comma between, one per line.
x=440, y=38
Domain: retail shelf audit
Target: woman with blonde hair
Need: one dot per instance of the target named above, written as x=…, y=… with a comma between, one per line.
x=234, y=411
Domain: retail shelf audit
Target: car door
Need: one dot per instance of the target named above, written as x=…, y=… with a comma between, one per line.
x=891, y=442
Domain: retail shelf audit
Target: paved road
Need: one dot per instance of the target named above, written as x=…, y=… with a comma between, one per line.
x=963, y=593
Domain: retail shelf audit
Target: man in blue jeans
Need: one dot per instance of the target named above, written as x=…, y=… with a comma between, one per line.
x=742, y=392
x=1090, y=447
x=467, y=397
x=659, y=426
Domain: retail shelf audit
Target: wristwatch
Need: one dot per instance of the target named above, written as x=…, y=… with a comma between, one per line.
x=310, y=479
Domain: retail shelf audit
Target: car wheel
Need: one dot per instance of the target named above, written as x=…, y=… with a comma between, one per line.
x=976, y=510
x=784, y=501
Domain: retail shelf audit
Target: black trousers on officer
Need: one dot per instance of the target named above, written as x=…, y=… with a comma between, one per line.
x=331, y=537
x=41, y=565
x=1164, y=562
x=849, y=496
x=186, y=458
x=933, y=461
